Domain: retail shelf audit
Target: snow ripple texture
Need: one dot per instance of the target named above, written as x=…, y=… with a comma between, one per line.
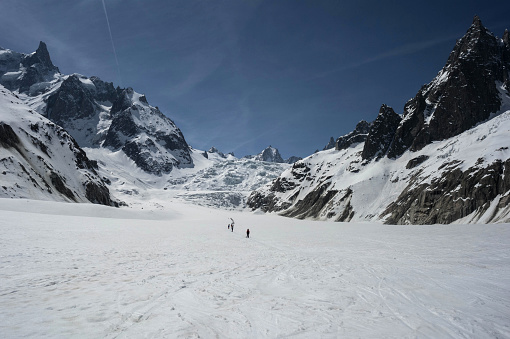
x=180, y=273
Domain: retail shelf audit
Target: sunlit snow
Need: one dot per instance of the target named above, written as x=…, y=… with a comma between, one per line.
x=176, y=271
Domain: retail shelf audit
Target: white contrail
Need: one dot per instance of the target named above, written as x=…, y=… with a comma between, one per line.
x=113, y=45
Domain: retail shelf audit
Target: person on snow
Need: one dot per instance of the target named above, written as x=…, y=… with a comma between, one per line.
x=232, y=227
x=248, y=233
x=228, y=226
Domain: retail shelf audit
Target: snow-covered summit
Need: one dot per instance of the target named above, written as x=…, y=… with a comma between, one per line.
x=271, y=154
x=96, y=113
x=444, y=160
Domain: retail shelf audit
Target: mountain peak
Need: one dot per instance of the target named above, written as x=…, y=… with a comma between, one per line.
x=41, y=56
x=270, y=154
x=476, y=21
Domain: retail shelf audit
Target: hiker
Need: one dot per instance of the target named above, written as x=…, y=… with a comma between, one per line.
x=232, y=227
x=228, y=226
x=248, y=233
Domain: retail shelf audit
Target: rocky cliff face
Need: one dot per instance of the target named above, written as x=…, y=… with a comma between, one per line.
x=27, y=73
x=95, y=113
x=464, y=93
x=359, y=134
x=381, y=133
x=270, y=154
x=444, y=160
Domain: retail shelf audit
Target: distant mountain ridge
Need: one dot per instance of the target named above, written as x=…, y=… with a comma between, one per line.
x=272, y=154
x=444, y=159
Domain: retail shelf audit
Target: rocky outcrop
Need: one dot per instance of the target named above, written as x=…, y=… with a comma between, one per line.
x=145, y=135
x=331, y=144
x=270, y=154
x=21, y=71
x=452, y=119
x=357, y=136
x=464, y=93
x=452, y=196
x=96, y=114
x=7, y=136
x=381, y=133
x=70, y=102
x=40, y=160
x=98, y=193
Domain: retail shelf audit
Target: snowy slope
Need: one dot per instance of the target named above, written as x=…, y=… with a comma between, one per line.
x=94, y=112
x=220, y=181
x=357, y=190
x=39, y=160
x=445, y=159
x=87, y=271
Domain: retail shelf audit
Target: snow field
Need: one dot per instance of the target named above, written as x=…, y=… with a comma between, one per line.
x=180, y=273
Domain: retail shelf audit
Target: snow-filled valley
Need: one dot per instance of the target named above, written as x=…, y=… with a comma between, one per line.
x=174, y=270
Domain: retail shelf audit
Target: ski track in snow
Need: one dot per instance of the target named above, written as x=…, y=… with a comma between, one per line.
x=185, y=275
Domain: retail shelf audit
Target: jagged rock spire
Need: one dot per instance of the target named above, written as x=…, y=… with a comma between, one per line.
x=381, y=133
x=463, y=93
x=41, y=57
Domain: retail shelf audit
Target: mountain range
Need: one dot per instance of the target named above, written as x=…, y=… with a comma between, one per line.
x=444, y=159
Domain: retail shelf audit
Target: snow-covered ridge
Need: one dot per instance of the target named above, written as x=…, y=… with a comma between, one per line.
x=39, y=160
x=444, y=160
x=95, y=113
x=361, y=191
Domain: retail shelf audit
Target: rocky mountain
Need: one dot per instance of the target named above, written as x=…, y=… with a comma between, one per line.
x=467, y=91
x=40, y=160
x=271, y=154
x=331, y=144
x=445, y=159
x=359, y=134
x=95, y=113
x=28, y=73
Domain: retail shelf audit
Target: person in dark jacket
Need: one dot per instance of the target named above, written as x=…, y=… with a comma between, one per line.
x=248, y=233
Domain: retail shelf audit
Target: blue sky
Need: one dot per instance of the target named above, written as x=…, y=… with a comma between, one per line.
x=242, y=75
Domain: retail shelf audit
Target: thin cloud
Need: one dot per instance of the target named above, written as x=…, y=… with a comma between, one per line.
x=393, y=53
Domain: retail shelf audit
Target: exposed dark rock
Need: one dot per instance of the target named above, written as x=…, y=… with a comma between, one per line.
x=41, y=57
x=59, y=183
x=270, y=154
x=282, y=185
x=70, y=102
x=359, y=134
x=105, y=90
x=266, y=203
x=99, y=194
x=123, y=126
x=331, y=144
x=417, y=161
x=381, y=133
x=348, y=211
x=215, y=150
x=8, y=137
x=123, y=101
x=312, y=203
x=453, y=196
x=38, y=68
x=463, y=94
